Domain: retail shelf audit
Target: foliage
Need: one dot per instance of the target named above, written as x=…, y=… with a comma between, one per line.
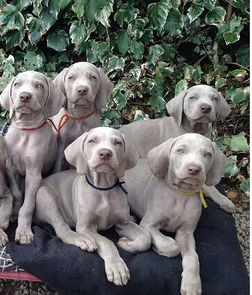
x=151, y=51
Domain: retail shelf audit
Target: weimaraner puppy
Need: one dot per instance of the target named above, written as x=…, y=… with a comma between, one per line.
x=86, y=88
x=190, y=111
x=92, y=198
x=31, y=99
x=5, y=195
x=164, y=192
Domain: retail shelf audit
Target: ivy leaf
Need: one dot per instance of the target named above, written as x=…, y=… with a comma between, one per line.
x=239, y=143
x=58, y=41
x=157, y=103
x=11, y=19
x=245, y=186
x=194, y=12
x=137, y=50
x=231, y=168
x=216, y=15
x=237, y=95
x=77, y=32
x=122, y=41
x=209, y=4
x=220, y=83
x=157, y=14
x=125, y=14
x=115, y=65
x=102, y=16
x=33, y=61
x=231, y=37
x=13, y=38
x=98, y=51
x=180, y=86
x=155, y=53
x=63, y=3
x=243, y=55
x=174, y=24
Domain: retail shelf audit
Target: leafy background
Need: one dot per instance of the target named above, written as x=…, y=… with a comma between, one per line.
x=151, y=50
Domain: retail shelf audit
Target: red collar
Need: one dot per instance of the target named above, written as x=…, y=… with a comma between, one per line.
x=31, y=129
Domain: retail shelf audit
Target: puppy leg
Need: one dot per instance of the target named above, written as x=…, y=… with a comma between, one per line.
x=116, y=270
x=161, y=244
x=5, y=214
x=219, y=199
x=23, y=232
x=191, y=283
x=134, y=238
x=48, y=211
x=15, y=187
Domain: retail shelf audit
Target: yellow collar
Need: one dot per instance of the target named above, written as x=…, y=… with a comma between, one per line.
x=201, y=194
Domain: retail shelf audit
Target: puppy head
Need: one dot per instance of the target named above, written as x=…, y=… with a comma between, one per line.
x=84, y=85
x=102, y=149
x=200, y=103
x=191, y=159
x=32, y=92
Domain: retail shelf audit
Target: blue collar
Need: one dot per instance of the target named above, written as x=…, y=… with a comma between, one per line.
x=118, y=183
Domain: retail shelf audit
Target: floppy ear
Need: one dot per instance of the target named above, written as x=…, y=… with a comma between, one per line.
x=159, y=158
x=59, y=80
x=74, y=154
x=6, y=99
x=55, y=101
x=175, y=107
x=106, y=88
x=214, y=175
x=3, y=154
x=129, y=160
x=224, y=108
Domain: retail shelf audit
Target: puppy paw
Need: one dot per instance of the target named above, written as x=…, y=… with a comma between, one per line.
x=117, y=272
x=169, y=248
x=190, y=285
x=85, y=243
x=135, y=246
x=3, y=238
x=228, y=206
x=24, y=236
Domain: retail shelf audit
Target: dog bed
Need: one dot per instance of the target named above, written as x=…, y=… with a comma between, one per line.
x=69, y=270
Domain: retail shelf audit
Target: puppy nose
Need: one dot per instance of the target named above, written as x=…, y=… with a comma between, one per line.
x=83, y=90
x=205, y=109
x=25, y=96
x=193, y=169
x=105, y=154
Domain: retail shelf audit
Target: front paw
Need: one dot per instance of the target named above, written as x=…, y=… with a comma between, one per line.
x=3, y=238
x=24, y=236
x=117, y=272
x=228, y=206
x=168, y=247
x=190, y=285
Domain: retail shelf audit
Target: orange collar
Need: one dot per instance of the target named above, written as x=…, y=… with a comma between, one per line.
x=66, y=117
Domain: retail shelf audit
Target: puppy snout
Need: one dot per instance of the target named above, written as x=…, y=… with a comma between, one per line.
x=193, y=169
x=25, y=97
x=82, y=90
x=205, y=108
x=105, y=154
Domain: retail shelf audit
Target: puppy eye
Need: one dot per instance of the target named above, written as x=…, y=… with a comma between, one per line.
x=215, y=98
x=192, y=97
x=91, y=141
x=118, y=142
x=180, y=151
x=208, y=155
x=40, y=86
x=16, y=84
x=70, y=78
x=92, y=77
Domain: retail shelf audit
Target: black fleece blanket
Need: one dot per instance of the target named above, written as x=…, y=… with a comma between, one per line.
x=70, y=270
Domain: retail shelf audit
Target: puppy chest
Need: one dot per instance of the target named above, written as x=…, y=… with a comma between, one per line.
x=110, y=211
